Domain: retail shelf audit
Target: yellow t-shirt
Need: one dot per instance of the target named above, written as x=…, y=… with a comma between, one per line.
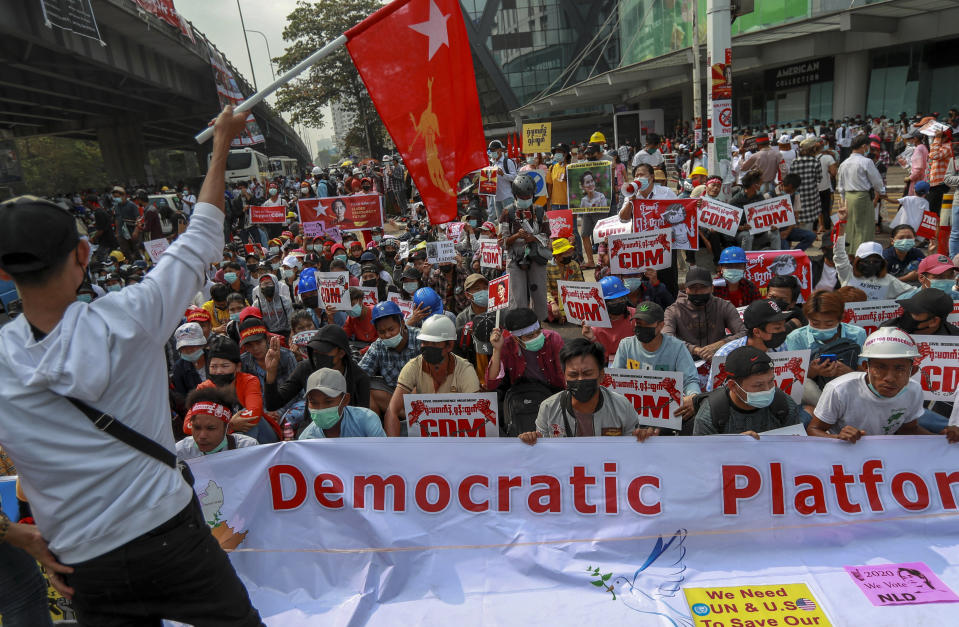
x=220, y=316
x=416, y=381
x=556, y=176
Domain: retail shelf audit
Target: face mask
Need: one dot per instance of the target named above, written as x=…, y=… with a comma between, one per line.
x=288, y=273
x=339, y=257
x=220, y=380
x=904, y=244
x=268, y=290
x=410, y=287
x=822, y=335
x=85, y=298
x=558, y=157
x=304, y=191
x=633, y=284
x=433, y=354
x=699, y=299
x=393, y=342
x=235, y=317
x=645, y=334
x=759, y=399
x=481, y=299
x=524, y=203
x=733, y=275
x=219, y=447
x=356, y=311
x=230, y=277
x=192, y=357
x=878, y=395
x=377, y=238
x=563, y=260
x=116, y=287
x=908, y=324
x=326, y=418
x=643, y=184
x=273, y=192
x=536, y=343
x=616, y=309
x=869, y=268
x=776, y=340
x=473, y=223
x=583, y=390
x=946, y=285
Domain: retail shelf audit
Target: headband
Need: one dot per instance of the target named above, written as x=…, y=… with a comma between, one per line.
x=526, y=330
x=713, y=178
x=209, y=407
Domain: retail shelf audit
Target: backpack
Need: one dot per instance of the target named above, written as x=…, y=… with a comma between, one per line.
x=846, y=350
x=718, y=401
x=521, y=406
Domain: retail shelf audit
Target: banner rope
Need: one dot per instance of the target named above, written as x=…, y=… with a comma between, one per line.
x=706, y=532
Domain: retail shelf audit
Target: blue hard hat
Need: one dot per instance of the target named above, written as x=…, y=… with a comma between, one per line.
x=385, y=310
x=733, y=254
x=367, y=256
x=307, y=282
x=426, y=296
x=922, y=187
x=613, y=287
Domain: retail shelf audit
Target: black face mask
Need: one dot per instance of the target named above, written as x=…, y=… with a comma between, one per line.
x=268, y=290
x=310, y=300
x=699, y=299
x=433, y=354
x=645, y=334
x=616, y=309
x=370, y=283
x=563, y=260
x=776, y=340
x=321, y=360
x=783, y=305
x=584, y=389
x=220, y=380
x=869, y=268
x=908, y=324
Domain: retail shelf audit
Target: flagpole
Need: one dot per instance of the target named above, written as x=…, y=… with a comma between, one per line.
x=258, y=97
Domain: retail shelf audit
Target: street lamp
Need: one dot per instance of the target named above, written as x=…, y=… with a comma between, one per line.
x=247, y=42
x=268, y=53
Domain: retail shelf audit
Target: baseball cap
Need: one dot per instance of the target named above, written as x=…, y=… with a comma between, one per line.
x=473, y=279
x=869, y=248
x=932, y=301
x=329, y=337
x=649, y=311
x=35, y=234
x=189, y=334
x=198, y=314
x=252, y=330
x=761, y=312
x=327, y=381
x=935, y=264
x=746, y=360
x=698, y=276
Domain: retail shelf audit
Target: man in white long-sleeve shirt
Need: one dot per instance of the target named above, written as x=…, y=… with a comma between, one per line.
x=127, y=526
x=856, y=176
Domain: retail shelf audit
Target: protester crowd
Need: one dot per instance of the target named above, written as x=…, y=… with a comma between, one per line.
x=259, y=357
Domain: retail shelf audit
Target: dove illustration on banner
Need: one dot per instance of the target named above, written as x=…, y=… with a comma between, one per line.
x=653, y=588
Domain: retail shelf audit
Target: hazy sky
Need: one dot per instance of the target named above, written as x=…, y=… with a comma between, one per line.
x=219, y=20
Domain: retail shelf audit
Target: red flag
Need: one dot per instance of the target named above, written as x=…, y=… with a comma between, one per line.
x=415, y=60
x=517, y=147
x=509, y=146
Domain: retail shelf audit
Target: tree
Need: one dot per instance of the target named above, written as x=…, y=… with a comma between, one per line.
x=334, y=79
x=57, y=165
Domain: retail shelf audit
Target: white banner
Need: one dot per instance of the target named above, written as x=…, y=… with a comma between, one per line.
x=656, y=394
x=334, y=290
x=156, y=247
x=791, y=370
x=491, y=255
x=370, y=297
x=442, y=251
x=452, y=415
x=719, y=217
x=776, y=212
x=583, y=302
x=871, y=313
x=938, y=366
x=632, y=253
x=367, y=531
x=406, y=306
x=610, y=226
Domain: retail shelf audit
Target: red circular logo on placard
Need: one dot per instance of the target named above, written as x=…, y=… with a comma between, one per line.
x=726, y=117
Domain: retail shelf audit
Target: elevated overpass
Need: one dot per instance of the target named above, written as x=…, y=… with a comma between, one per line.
x=149, y=87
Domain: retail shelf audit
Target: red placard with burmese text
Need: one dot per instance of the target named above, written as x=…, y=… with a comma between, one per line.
x=677, y=214
x=763, y=265
x=871, y=313
x=560, y=223
x=268, y=214
x=655, y=394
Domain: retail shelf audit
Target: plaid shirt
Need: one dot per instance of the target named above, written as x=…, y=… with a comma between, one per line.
x=457, y=301
x=556, y=272
x=810, y=172
x=939, y=156
x=747, y=293
x=385, y=362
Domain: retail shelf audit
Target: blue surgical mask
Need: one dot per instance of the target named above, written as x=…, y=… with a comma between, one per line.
x=192, y=357
x=481, y=299
x=904, y=244
x=288, y=273
x=235, y=317
x=946, y=285
x=326, y=418
x=219, y=447
x=733, y=275
x=340, y=257
x=356, y=311
x=229, y=277
x=823, y=335
x=472, y=223
x=85, y=298
x=558, y=157
x=410, y=287
x=643, y=184
x=633, y=283
x=536, y=343
x=524, y=203
x=393, y=342
x=759, y=399
x=116, y=287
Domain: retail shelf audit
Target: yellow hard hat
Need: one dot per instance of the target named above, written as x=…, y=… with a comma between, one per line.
x=597, y=138
x=118, y=256
x=561, y=245
x=290, y=215
x=164, y=189
x=699, y=171
x=420, y=246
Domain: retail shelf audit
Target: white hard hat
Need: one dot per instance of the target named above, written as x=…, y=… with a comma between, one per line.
x=387, y=158
x=437, y=328
x=357, y=171
x=291, y=262
x=889, y=343
x=785, y=139
x=316, y=170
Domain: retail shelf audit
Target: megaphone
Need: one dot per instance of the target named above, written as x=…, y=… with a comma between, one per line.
x=629, y=189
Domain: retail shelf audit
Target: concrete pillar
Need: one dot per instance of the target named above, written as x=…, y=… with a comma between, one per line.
x=850, y=84
x=124, y=153
x=688, y=97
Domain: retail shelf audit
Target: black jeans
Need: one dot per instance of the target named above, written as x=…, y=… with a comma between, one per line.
x=934, y=197
x=176, y=571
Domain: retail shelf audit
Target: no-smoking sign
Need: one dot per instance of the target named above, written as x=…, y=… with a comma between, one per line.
x=723, y=113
